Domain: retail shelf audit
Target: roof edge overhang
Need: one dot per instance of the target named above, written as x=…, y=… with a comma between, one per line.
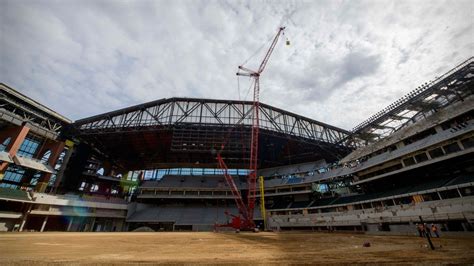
x=34, y=103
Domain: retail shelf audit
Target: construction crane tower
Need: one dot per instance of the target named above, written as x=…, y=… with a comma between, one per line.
x=247, y=210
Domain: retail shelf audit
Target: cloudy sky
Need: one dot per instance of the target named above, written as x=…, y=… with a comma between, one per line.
x=347, y=59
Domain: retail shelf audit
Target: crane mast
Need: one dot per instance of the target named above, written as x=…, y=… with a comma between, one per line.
x=248, y=210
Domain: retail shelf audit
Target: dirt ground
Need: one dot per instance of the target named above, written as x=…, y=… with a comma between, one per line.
x=228, y=248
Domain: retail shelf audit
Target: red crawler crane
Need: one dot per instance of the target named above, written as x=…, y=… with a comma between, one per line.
x=246, y=211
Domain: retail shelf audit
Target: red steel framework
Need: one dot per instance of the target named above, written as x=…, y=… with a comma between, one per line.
x=246, y=211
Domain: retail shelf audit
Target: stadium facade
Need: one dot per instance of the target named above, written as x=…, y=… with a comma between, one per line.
x=154, y=165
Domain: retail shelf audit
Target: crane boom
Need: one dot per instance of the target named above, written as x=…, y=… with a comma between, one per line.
x=270, y=51
x=235, y=191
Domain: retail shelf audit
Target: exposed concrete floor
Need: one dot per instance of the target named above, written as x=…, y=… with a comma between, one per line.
x=228, y=248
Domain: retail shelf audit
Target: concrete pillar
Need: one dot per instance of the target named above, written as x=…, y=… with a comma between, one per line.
x=460, y=145
x=60, y=174
x=44, y=223
x=438, y=129
x=70, y=224
x=17, y=135
x=439, y=195
x=23, y=222
x=25, y=217
x=399, y=144
x=428, y=155
x=92, y=224
x=56, y=148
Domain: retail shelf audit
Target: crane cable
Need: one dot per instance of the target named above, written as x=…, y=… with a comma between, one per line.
x=250, y=87
x=238, y=86
x=258, y=50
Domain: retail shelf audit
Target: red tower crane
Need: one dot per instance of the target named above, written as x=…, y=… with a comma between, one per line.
x=247, y=211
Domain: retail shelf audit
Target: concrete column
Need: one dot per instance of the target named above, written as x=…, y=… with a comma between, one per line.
x=438, y=129
x=428, y=155
x=444, y=152
x=439, y=195
x=25, y=217
x=23, y=222
x=92, y=224
x=17, y=136
x=460, y=145
x=60, y=174
x=44, y=223
x=70, y=224
x=399, y=144
x=56, y=148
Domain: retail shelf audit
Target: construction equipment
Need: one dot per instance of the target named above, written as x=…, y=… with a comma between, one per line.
x=247, y=211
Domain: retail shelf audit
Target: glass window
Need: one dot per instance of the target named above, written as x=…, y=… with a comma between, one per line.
x=28, y=148
x=100, y=171
x=94, y=188
x=6, y=185
x=185, y=171
x=160, y=174
x=148, y=175
x=36, y=177
x=14, y=173
x=60, y=160
x=83, y=185
x=209, y=171
x=45, y=157
x=5, y=143
x=175, y=171
x=52, y=179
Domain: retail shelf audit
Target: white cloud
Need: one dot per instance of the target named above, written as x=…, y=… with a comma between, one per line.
x=347, y=59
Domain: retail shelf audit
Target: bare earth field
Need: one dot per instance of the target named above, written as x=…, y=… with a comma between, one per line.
x=228, y=248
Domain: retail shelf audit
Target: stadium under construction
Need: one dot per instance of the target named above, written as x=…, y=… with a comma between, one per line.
x=156, y=165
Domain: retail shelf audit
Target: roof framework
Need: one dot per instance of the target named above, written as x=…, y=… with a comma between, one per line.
x=427, y=99
x=190, y=111
x=187, y=132
x=17, y=108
